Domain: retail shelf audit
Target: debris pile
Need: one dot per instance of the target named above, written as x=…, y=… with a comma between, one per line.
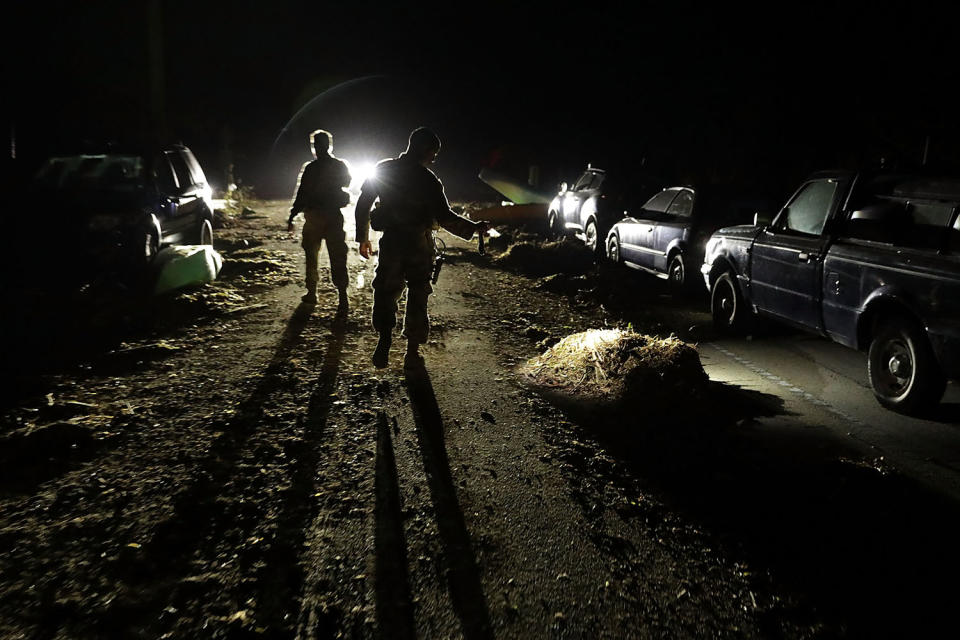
x=540, y=259
x=619, y=366
x=259, y=267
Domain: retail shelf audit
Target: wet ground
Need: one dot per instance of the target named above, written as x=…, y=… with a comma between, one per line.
x=224, y=462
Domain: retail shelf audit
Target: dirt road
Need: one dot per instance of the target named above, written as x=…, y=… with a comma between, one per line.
x=237, y=468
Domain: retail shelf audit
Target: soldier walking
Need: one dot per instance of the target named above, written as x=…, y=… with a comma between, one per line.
x=411, y=204
x=320, y=196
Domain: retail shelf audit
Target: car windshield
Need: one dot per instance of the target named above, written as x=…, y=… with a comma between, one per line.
x=106, y=172
x=629, y=193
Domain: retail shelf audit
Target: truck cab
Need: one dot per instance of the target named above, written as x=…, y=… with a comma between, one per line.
x=871, y=261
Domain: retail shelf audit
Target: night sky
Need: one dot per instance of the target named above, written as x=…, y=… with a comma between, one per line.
x=695, y=93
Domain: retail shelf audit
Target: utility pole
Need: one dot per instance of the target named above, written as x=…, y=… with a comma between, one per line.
x=157, y=93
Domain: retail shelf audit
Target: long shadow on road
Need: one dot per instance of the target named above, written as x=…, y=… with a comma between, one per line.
x=280, y=583
x=155, y=578
x=861, y=549
x=463, y=576
x=392, y=584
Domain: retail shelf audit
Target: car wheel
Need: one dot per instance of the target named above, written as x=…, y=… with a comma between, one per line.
x=677, y=271
x=727, y=306
x=901, y=366
x=591, y=238
x=613, y=249
x=151, y=246
x=205, y=232
x=554, y=230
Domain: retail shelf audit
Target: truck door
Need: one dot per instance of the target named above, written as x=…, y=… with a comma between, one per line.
x=787, y=257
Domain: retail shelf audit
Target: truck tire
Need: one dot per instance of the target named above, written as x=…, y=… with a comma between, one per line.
x=903, y=371
x=727, y=306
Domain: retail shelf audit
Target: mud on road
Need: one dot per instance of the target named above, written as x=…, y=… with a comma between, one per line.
x=226, y=463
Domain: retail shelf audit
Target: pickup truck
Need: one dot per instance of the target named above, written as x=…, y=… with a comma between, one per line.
x=869, y=260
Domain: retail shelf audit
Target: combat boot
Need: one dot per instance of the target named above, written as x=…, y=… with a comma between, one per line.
x=381, y=355
x=343, y=307
x=412, y=358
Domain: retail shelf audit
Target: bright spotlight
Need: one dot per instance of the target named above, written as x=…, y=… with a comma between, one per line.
x=360, y=172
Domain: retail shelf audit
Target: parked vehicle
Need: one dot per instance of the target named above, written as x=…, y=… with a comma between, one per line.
x=871, y=261
x=122, y=206
x=666, y=236
x=595, y=202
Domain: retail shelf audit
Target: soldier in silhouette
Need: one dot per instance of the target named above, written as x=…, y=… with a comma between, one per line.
x=320, y=196
x=411, y=204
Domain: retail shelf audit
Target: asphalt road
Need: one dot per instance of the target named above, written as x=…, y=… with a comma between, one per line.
x=824, y=383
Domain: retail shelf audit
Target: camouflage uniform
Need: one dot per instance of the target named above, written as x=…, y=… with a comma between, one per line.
x=320, y=186
x=412, y=203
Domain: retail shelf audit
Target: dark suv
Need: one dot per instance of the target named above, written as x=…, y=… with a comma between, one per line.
x=121, y=206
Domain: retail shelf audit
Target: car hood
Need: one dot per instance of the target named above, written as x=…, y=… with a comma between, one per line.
x=740, y=231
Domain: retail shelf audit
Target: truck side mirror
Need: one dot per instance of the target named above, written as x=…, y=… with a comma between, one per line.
x=563, y=187
x=761, y=219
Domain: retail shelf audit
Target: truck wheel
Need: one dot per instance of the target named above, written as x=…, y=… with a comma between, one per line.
x=729, y=309
x=902, y=369
x=613, y=250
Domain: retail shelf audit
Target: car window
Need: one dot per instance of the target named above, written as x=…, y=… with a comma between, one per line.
x=121, y=173
x=953, y=243
x=933, y=214
x=196, y=173
x=682, y=205
x=51, y=173
x=184, y=179
x=584, y=181
x=807, y=212
x=163, y=173
x=661, y=201
x=928, y=226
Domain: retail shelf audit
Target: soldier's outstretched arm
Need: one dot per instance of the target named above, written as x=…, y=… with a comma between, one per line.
x=362, y=218
x=458, y=225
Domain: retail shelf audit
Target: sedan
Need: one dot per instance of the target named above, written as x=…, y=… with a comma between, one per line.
x=667, y=235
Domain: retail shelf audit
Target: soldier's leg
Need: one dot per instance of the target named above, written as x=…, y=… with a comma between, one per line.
x=337, y=250
x=311, y=246
x=387, y=289
x=416, y=322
